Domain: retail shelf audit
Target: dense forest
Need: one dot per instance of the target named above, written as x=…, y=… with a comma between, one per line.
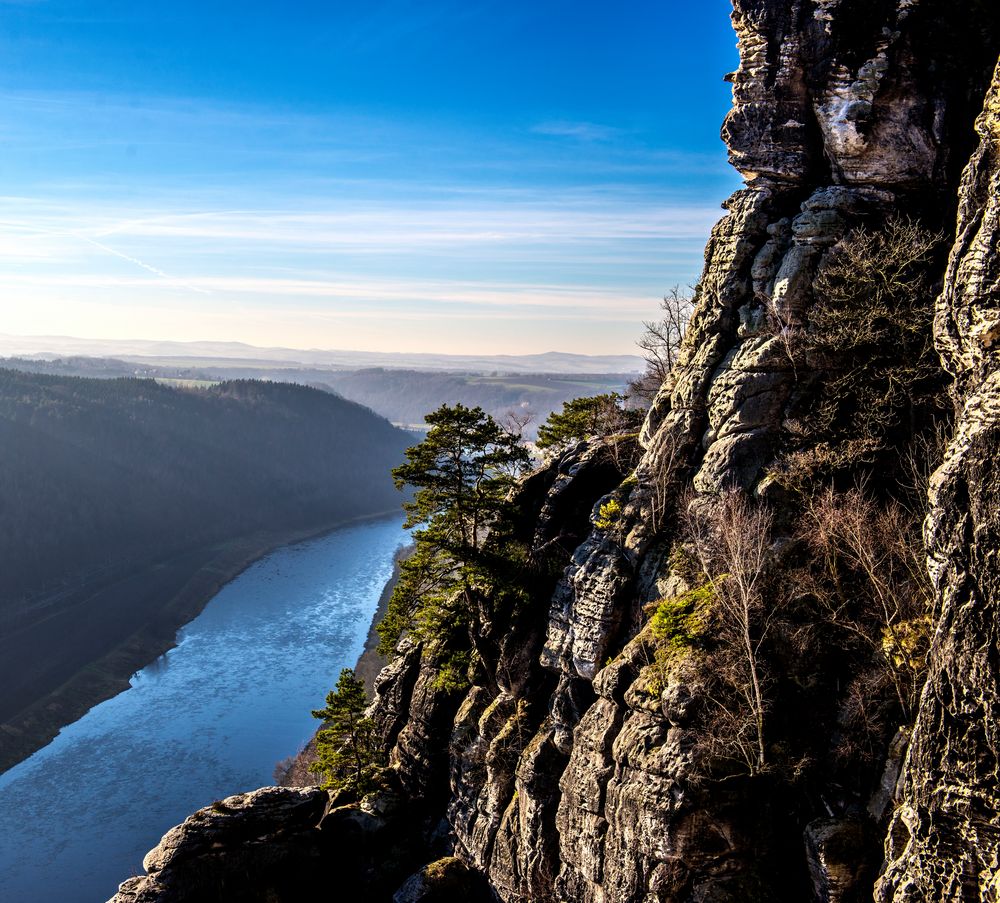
x=114, y=491
x=402, y=396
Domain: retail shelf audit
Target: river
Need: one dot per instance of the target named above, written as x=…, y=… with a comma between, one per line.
x=210, y=718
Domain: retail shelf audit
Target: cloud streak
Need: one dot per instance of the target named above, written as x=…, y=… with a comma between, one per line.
x=580, y=131
x=359, y=221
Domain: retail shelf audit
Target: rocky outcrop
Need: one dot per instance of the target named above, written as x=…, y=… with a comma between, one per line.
x=255, y=846
x=447, y=880
x=285, y=845
x=838, y=118
x=944, y=840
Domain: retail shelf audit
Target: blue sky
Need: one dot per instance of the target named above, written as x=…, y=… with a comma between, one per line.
x=383, y=175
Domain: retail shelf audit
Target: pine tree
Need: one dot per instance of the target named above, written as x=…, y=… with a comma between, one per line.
x=462, y=471
x=586, y=418
x=347, y=751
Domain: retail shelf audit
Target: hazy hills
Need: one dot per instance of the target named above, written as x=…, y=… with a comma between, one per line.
x=225, y=353
x=403, y=396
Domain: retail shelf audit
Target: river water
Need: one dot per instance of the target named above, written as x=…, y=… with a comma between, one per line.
x=208, y=719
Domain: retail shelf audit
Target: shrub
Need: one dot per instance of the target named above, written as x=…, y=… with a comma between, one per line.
x=348, y=752
x=608, y=514
x=680, y=622
x=587, y=418
x=876, y=378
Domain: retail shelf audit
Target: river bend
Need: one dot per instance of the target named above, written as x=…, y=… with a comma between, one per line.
x=208, y=719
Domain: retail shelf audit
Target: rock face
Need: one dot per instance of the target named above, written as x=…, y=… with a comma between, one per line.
x=844, y=113
x=255, y=846
x=571, y=769
x=943, y=843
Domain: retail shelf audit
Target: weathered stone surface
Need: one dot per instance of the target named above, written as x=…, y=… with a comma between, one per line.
x=253, y=846
x=417, y=753
x=588, y=606
x=447, y=880
x=944, y=840
x=838, y=120
x=390, y=709
x=838, y=853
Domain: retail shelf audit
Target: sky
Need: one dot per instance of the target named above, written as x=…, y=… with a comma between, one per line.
x=448, y=176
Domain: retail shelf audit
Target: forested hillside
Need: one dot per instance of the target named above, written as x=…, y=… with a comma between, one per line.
x=114, y=492
x=405, y=396
x=402, y=396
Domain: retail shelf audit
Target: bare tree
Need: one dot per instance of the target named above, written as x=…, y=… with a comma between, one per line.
x=783, y=327
x=516, y=421
x=660, y=343
x=874, y=581
x=732, y=538
x=659, y=477
x=921, y=458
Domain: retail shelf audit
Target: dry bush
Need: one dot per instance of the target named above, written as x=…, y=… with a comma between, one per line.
x=790, y=334
x=865, y=718
x=661, y=342
x=731, y=538
x=872, y=379
x=659, y=477
x=921, y=458
x=852, y=592
x=870, y=580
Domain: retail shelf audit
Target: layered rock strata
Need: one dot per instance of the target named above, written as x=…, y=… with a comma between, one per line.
x=841, y=116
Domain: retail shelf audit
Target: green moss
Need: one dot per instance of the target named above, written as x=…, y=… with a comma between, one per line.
x=678, y=627
x=608, y=515
x=686, y=566
x=679, y=622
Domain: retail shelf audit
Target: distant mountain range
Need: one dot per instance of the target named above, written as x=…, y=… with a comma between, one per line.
x=211, y=353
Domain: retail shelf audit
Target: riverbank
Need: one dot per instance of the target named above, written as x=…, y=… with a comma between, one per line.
x=159, y=599
x=205, y=721
x=294, y=771
x=370, y=662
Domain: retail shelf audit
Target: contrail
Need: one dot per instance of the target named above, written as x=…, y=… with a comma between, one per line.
x=151, y=269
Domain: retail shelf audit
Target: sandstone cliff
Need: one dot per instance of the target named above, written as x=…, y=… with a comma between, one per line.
x=943, y=842
x=575, y=766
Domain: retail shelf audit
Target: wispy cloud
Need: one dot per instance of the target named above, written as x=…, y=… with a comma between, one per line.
x=480, y=261
x=357, y=223
x=352, y=225
x=580, y=131
x=573, y=299
x=236, y=245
